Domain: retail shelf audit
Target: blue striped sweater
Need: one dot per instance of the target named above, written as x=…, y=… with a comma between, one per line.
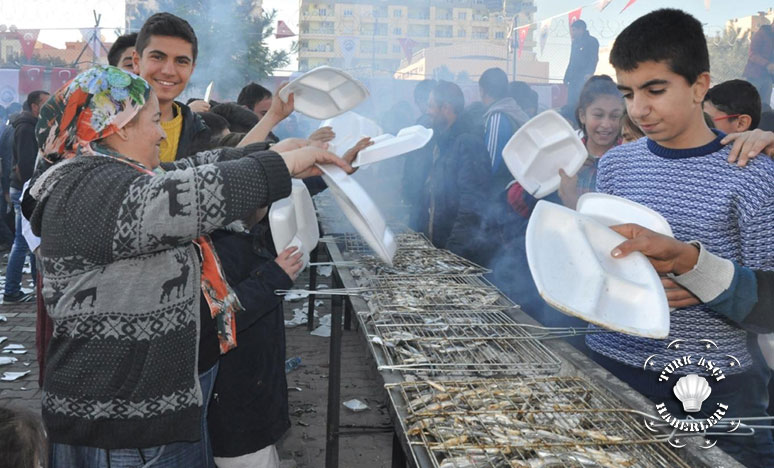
x=728, y=208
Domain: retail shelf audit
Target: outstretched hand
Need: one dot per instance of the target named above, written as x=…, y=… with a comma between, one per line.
x=666, y=254
x=352, y=153
x=302, y=162
x=290, y=261
x=279, y=109
x=323, y=134
x=748, y=145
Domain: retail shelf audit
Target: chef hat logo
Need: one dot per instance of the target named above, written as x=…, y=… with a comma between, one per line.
x=692, y=390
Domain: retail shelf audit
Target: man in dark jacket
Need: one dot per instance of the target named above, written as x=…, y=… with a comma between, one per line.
x=25, y=152
x=6, y=163
x=583, y=61
x=457, y=186
x=416, y=164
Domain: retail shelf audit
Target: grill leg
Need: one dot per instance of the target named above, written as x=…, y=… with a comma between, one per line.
x=398, y=457
x=312, y=286
x=334, y=387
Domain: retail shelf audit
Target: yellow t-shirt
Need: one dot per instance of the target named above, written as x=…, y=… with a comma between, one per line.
x=172, y=128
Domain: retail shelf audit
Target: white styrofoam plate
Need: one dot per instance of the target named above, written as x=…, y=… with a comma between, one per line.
x=293, y=222
x=569, y=257
x=361, y=211
x=349, y=128
x=325, y=92
x=542, y=146
x=388, y=146
x=611, y=210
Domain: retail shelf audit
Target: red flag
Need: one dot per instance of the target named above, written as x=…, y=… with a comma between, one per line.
x=522, y=37
x=28, y=38
x=574, y=15
x=407, y=44
x=283, y=30
x=30, y=78
x=628, y=4
x=60, y=76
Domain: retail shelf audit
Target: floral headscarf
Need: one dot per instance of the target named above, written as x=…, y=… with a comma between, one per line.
x=91, y=106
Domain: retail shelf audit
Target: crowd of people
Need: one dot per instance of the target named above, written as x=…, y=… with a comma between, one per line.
x=161, y=341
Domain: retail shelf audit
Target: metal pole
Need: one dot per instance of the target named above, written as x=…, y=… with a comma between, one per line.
x=334, y=384
x=312, y=287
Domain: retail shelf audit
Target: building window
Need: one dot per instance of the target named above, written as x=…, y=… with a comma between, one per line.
x=443, y=31
x=397, y=31
x=461, y=33
x=322, y=12
x=462, y=15
x=499, y=35
x=396, y=49
x=348, y=12
x=397, y=13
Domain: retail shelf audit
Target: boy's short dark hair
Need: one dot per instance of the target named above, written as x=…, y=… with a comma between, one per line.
x=217, y=123
x=240, y=120
x=166, y=24
x=579, y=24
x=736, y=97
x=494, y=82
x=119, y=46
x=446, y=92
x=35, y=97
x=666, y=35
x=22, y=439
x=252, y=94
x=524, y=95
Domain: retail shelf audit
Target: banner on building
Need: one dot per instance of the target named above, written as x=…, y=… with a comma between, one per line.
x=9, y=86
x=574, y=16
x=28, y=38
x=602, y=4
x=30, y=79
x=522, y=31
x=283, y=30
x=60, y=76
x=407, y=44
x=545, y=27
x=348, y=46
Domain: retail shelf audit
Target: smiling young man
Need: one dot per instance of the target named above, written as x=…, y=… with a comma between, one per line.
x=165, y=55
x=682, y=171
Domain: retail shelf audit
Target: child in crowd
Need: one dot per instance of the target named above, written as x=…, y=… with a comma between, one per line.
x=22, y=440
x=629, y=130
x=734, y=106
x=682, y=171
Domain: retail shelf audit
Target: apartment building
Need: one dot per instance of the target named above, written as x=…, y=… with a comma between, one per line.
x=372, y=37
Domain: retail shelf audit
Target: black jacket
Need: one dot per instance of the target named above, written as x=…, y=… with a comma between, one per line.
x=458, y=188
x=195, y=136
x=6, y=157
x=249, y=406
x=25, y=148
x=583, y=58
x=416, y=167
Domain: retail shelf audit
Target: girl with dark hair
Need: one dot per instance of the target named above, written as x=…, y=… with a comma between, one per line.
x=599, y=115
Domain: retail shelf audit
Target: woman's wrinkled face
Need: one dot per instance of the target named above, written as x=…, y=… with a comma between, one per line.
x=602, y=119
x=144, y=134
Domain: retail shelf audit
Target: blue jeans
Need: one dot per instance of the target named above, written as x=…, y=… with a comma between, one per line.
x=19, y=251
x=174, y=455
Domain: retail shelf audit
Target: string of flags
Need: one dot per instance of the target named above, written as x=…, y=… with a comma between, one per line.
x=573, y=15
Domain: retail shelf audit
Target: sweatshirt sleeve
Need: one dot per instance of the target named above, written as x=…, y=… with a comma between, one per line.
x=256, y=293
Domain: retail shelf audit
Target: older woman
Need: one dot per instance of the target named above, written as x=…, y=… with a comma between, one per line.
x=125, y=255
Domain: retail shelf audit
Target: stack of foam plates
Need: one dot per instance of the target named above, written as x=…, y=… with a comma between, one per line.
x=388, y=146
x=350, y=128
x=361, y=211
x=541, y=147
x=293, y=222
x=569, y=257
x=611, y=210
x=325, y=92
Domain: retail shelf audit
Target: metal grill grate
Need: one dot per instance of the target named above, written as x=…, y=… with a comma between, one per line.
x=421, y=262
x=546, y=422
x=435, y=293
x=459, y=343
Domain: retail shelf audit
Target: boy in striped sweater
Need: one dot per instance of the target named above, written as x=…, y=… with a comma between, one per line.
x=681, y=170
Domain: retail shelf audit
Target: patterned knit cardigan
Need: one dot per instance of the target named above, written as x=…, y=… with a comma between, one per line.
x=121, y=281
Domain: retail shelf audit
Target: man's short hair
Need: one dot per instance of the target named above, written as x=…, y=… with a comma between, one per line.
x=217, y=123
x=523, y=94
x=35, y=97
x=579, y=24
x=119, y=46
x=666, y=35
x=446, y=92
x=736, y=97
x=166, y=24
x=494, y=82
x=422, y=91
x=252, y=94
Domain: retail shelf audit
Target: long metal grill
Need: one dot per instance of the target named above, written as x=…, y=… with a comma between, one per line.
x=544, y=422
x=460, y=343
x=423, y=261
x=435, y=293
